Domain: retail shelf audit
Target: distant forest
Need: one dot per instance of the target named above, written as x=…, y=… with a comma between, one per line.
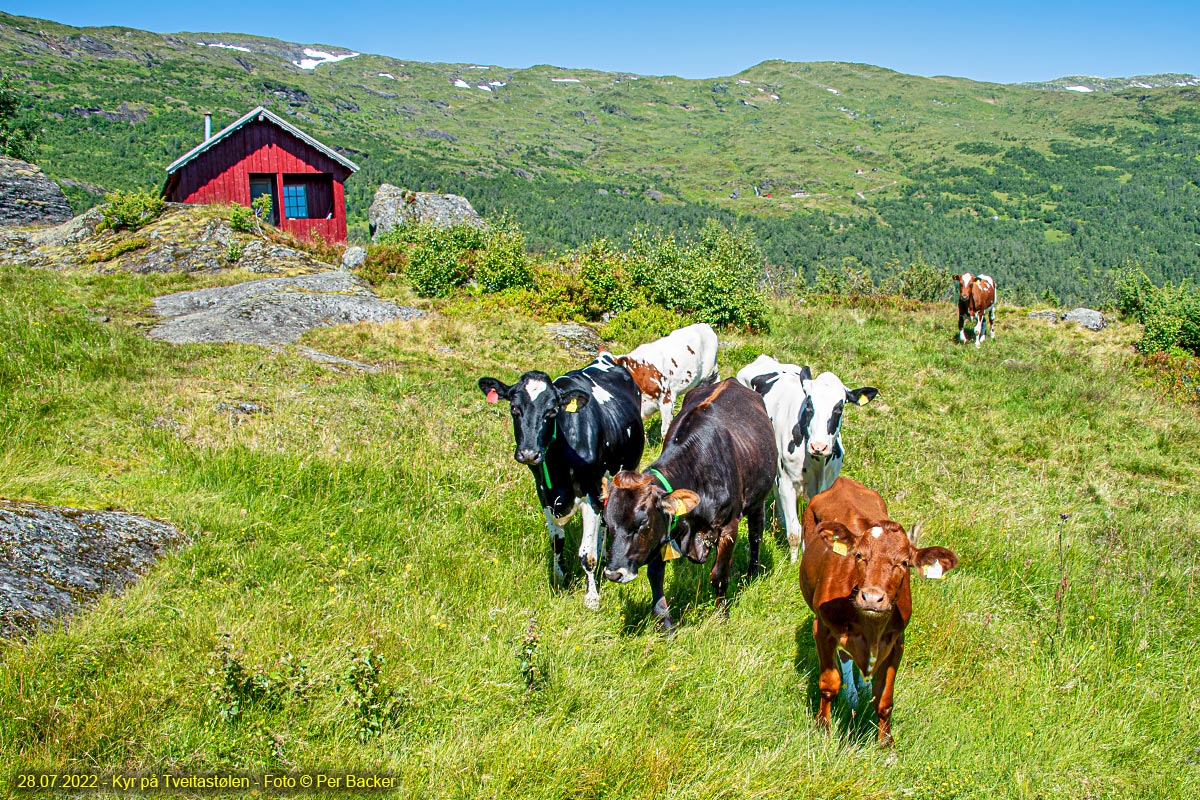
x=1059, y=222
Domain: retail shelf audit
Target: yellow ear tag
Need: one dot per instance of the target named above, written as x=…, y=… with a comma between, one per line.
x=840, y=548
x=680, y=508
x=572, y=406
x=670, y=551
x=863, y=400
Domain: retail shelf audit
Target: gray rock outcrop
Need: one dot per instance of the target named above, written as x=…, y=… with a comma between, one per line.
x=353, y=258
x=393, y=207
x=272, y=311
x=54, y=561
x=28, y=197
x=578, y=339
x=1088, y=318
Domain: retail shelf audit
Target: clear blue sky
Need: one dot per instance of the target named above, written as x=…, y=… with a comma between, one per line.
x=989, y=41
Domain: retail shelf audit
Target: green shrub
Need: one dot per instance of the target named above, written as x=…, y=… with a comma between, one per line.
x=130, y=210
x=374, y=706
x=233, y=253
x=434, y=270
x=642, y=324
x=1163, y=332
x=920, y=280
x=502, y=263
x=383, y=262
x=851, y=278
x=241, y=219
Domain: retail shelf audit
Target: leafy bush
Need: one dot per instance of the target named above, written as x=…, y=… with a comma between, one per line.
x=130, y=210
x=1171, y=314
x=375, y=707
x=715, y=277
x=920, y=280
x=18, y=136
x=502, y=263
x=233, y=253
x=851, y=278
x=642, y=324
x=435, y=270
x=241, y=218
x=383, y=262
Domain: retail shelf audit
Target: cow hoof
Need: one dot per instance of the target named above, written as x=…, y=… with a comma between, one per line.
x=592, y=602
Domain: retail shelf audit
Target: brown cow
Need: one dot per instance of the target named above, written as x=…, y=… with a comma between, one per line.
x=977, y=300
x=854, y=576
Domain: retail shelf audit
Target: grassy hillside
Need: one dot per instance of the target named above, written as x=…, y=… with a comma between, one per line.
x=1045, y=189
x=384, y=511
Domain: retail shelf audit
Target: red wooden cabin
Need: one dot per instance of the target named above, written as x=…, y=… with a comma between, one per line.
x=261, y=154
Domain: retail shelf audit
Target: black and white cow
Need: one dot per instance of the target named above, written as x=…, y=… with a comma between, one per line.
x=570, y=432
x=807, y=416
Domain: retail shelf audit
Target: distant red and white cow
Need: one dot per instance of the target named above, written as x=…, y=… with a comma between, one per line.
x=855, y=578
x=666, y=368
x=807, y=417
x=977, y=300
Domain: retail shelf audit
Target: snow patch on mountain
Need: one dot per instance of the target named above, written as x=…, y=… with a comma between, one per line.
x=318, y=57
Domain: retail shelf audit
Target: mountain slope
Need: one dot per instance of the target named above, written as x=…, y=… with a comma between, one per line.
x=575, y=153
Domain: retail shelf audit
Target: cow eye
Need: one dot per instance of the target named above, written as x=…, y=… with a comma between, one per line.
x=858, y=556
x=516, y=412
x=905, y=564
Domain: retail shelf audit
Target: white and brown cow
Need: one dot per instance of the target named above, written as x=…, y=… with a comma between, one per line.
x=806, y=414
x=666, y=368
x=976, y=300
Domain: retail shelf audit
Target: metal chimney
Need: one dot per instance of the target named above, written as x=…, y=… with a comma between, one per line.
x=207, y=127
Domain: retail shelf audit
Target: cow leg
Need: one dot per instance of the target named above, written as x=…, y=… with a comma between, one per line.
x=962, y=318
x=655, y=572
x=589, y=552
x=980, y=327
x=884, y=684
x=785, y=494
x=756, y=518
x=830, y=680
x=666, y=410
x=992, y=321
x=557, y=537
x=719, y=577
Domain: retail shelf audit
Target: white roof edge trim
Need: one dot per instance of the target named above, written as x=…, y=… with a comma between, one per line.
x=253, y=115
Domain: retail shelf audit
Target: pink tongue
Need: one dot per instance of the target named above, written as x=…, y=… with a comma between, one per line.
x=492, y=397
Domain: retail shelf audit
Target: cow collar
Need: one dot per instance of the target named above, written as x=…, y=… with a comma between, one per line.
x=670, y=549
x=545, y=468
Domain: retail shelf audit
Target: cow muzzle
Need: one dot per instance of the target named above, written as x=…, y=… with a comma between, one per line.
x=622, y=575
x=530, y=457
x=819, y=449
x=872, y=601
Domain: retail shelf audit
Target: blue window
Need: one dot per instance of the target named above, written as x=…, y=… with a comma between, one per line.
x=295, y=201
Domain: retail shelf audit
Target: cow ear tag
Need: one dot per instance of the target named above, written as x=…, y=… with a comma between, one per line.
x=572, y=406
x=934, y=570
x=840, y=548
x=670, y=551
x=492, y=396
x=680, y=508
x=863, y=400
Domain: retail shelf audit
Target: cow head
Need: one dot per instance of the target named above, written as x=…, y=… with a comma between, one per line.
x=820, y=419
x=964, y=285
x=638, y=513
x=535, y=403
x=882, y=557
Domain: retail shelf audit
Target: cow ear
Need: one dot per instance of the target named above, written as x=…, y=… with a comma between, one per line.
x=679, y=502
x=494, y=390
x=934, y=562
x=805, y=373
x=837, y=537
x=573, y=400
x=860, y=397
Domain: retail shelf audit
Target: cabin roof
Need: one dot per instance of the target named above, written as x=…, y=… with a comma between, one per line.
x=255, y=115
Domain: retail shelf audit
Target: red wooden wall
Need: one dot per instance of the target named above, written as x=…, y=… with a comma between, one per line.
x=221, y=174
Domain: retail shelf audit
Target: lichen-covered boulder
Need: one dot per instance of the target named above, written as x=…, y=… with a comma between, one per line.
x=394, y=207
x=54, y=561
x=1088, y=318
x=28, y=197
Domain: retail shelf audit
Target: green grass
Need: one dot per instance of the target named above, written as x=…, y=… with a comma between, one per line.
x=385, y=511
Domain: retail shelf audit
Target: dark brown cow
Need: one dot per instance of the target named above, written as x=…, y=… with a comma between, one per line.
x=977, y=300
x=717, y=465
x=854, y=576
